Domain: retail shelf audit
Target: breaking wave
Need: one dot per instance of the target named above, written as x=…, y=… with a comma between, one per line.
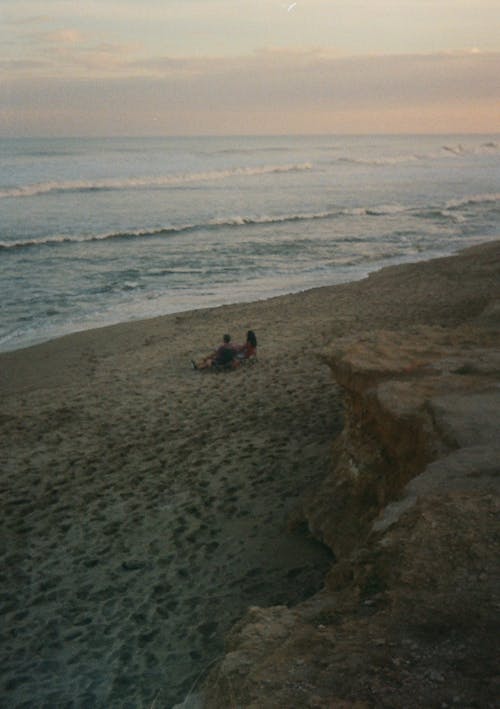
x=172, y=230
x=450, y=151
x=145, y=182
x=472, y=200
x=483, y=149
x=451, y=210
x=376, y=162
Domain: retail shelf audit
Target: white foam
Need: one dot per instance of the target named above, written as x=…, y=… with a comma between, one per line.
x=473, y=199
x=230, y=221
x=41, y=188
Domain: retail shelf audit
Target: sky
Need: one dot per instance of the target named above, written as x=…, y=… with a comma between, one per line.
x=198, y=67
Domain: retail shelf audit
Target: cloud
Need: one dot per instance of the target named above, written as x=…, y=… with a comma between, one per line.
x=13, y=21
x=203, y=27
x=67, y=52
x=316, y=77
x=267, y=91
x=64, y=36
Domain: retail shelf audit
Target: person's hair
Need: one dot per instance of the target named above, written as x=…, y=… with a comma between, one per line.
x=227, y=338
x=251, y=338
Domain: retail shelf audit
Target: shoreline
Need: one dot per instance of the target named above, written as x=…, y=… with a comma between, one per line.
x=364, y=272
x=146, y=505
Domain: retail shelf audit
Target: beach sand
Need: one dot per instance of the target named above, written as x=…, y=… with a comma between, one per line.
x=145, y=505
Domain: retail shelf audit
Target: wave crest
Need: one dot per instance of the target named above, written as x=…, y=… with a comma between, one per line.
x=41, y=188
x=450, y=210
x=451, y=151
x=483, y=149
x=487, y=198
x=226, y=222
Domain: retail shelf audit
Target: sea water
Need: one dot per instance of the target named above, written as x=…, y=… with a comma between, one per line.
x=98, y=231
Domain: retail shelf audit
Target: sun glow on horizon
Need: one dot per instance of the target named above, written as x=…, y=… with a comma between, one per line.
x=260, y=66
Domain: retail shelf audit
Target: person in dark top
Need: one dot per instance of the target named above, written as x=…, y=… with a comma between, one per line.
x=223, y=356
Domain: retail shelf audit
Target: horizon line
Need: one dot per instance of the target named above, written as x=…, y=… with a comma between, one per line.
x=99, y=136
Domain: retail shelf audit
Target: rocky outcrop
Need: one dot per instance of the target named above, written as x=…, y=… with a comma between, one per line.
x=411, y=398
x=408, y=616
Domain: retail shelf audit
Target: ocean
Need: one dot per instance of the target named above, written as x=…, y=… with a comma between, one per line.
x=98, y=231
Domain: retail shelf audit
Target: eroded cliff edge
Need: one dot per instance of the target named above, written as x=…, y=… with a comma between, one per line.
x=409, y=615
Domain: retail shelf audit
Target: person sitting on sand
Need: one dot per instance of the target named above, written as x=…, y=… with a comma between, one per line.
x=249, y=349
x=223, y=356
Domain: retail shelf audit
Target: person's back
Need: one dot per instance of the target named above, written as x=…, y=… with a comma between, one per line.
x=225, y=353
x=222, y=357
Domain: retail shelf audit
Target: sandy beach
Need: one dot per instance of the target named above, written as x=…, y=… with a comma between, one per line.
x=145, y=505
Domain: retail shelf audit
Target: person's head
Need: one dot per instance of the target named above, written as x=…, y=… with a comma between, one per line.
x=251, y=338
x=226, y=339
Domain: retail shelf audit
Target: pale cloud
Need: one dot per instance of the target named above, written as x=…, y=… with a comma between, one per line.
x=198, y=66
x=322, y=77
x=12, y=21
x=208, y=27
x=67, y=51
x=268, y=91
x=65, y=36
